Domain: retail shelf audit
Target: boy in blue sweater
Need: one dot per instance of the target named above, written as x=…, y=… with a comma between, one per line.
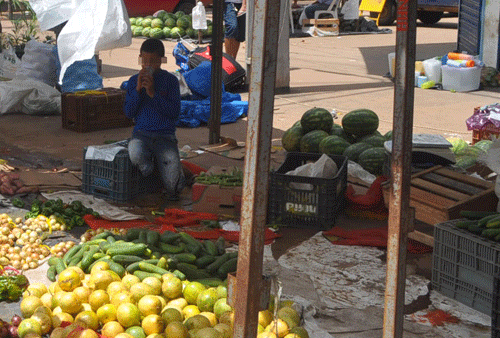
x=153, y=100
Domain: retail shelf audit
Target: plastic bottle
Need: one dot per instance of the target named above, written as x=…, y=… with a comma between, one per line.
x=199, y=16
x=460, y=56
x=461, y=63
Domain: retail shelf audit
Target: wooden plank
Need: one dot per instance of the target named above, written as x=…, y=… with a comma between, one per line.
x=428, y=213
x=438, y=189
x=453, y=184
x=465, y=178
x=422, y=237
x=423, y=172
x=426, y=197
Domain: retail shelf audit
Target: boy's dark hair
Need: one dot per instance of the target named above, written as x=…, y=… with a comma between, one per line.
x=153, y=46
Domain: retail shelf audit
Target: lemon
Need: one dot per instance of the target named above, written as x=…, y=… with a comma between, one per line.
x=70, y=303
x=210, y=316
x=290, y=316
x=44, y=320
x=227, y=318
x=69, y=280
x=139, y=290
x=149, y=305
x=101, y=279
x=115, y=287
x=123, y=335
x=99, y=266
x=128, y=315
x=153, y=324
x=60, y=317
x=172, y=288
x=192, y=290
x=29, y=305
x=300, y=332
x=48, y=300
x=206, y=299
x=176, y=330
x=279, y=326
x=225, y=330
x=221, y=291
x=29, y=326
x=83, y=293
x=265, y=317
x=155, y=284
x=136, y=332
x=106, y=313
x=121, y=297
x=111, y=329
x=267, y=335
x=190, y=311
x=197, y=322
x=179, y=303
x=172, y=315
x=221, y=306
x=129, y=280
x=88, y=320
x=88, y=333
x=208, y=332
x=86, y=307
x=97, y=299
x=36, y=289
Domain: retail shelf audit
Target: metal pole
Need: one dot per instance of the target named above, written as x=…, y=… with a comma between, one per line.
x=256, y=170
x=216, y=82
x=399, y=202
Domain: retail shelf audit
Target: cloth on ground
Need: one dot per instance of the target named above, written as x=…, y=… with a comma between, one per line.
x=372, y=200
x=376, y=237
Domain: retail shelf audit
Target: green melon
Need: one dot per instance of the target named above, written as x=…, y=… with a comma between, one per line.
x=360, y=122
x=309, y=143
x=373, y=160
x=466, y=161
x=146, y=22
x=484, y=145
x=161, y=14
x=137, y=31
x=169, y=16
x=170, y=22
x=157, y=23
x=191, y=32
x=317, y=119
x=183, y=23
x=333, y=145
x=146, y=31
x=156, y=33
x=179, y=14
x=132, y=21
x=291, y=138
x=166, y=32
x=354, y=150
x=177, y=32
x=339, y=131
x=138, y=21
x=388, y=135
x=376, y=140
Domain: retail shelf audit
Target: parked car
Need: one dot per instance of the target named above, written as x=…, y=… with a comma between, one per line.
x=144, y=8
x=429, y=12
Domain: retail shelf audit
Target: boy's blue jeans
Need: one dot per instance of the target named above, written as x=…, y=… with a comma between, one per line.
x=309, y=10
x=147, y=149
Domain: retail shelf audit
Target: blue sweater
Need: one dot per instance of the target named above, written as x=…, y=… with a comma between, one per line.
x=158, y=114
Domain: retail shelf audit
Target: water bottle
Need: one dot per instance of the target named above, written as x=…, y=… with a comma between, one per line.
x=199, y=16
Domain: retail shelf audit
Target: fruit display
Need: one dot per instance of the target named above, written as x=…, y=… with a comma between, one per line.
x=356, y=137
x=103, y=304
x=167, y=25
x=146, y=253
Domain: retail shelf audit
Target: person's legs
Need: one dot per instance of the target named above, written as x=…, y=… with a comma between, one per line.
x=169, y=165
x=231, y=43
x=309, y=10
x=140, y=154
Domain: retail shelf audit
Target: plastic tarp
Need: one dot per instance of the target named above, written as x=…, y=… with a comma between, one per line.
x=91, y=26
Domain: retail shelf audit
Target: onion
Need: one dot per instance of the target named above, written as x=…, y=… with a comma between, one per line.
x=16, y=320
x=13, y=331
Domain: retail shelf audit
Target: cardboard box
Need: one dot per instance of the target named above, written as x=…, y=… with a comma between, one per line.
x=217, y=199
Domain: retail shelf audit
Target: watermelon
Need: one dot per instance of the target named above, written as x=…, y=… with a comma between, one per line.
x=179, y=14
x=317, y=119
x=484, y=145
x=132, y=21
x=208, y=31
x=388, y=135
x=309, y=143
x=146, y=31
x=156, y=23
x=166, y=32
x=137, y=31
x=354, y=150
x=149, y=17
x=146, y=22
x=376, y=140
x=161, y=14
x=291, y=138
x=333, y=145
x=177, y=32
x=138, y=21
x=191, y=32
x=339, y=131
x=465, y=162
x=373, y=160
x=169, y=16
x=360, y=122
x=156, y=33
x=183, y=23
x=170, y=22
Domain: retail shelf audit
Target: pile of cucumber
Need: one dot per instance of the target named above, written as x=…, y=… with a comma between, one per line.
x=481, y=223
x=146, y=253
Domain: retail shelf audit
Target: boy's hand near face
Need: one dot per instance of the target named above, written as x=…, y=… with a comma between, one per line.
x=146, y=81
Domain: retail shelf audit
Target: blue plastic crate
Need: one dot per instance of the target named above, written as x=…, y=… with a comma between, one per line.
x=317, y=207
x=464, y=266
x=117, y=180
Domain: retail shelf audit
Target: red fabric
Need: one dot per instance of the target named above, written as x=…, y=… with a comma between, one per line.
x=230, y=236
x=183, y=218
x=96, y=223
x=370, y=237
x=193, y=168
x=373, y=199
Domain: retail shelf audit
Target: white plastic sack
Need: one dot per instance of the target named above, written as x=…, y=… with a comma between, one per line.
x=350, y=9
x=199, y=16
x=324, y=167
x=92, y=26
x=30, y=97
x=9, y=62
x=38, y=63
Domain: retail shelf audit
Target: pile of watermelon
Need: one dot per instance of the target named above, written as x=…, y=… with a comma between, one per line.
x=357, y=137
x=167, y=26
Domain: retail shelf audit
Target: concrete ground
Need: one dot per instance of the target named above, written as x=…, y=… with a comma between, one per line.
x=341, y=73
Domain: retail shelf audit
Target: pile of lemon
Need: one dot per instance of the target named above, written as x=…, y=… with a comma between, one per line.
x=84, y=305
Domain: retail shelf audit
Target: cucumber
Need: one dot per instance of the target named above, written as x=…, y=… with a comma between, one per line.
x=179, y=274
x=227, y=267
x=126, y=259
x=169, y=237
x=88, y=257
x=192, y=273
x=470, y=214
x=144, y=274
x=210, y=282
x=117, y=268
x=465, y=224
x=482, y=222
x=52, y=273
x=111, y=239
x=196, y=250
x=135, y=249
x=220, y=243
x=490, y=233
x=218, y=262
x=70, y=253
x=78, y=255
x=210, y=247
x=135, y=266
x=132, y=234
x=98, y=255
x=152, y=268
x=185, y=257
x=53, y=260
x=102, y=235
x=95, y=241
x=60, y=266
x=162, y=263
x=203, y=261
x=188, y=239
x=475, y=229
x=143, y=237
x=171, y=249
x=493, y=223
x=152, y=238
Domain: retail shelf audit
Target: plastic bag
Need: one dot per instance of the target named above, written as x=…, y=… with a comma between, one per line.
x=9, y=62
x=199, y=16
x=181, y=54
x=92, y=26
x=350, y=10
x=81, y=75
x=30, y=97
x=38, y=62
x=324, y=167
x=492, y=161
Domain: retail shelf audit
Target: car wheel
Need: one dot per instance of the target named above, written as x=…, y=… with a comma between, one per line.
x=185, y=6
x=429, y=18
x=388, y=14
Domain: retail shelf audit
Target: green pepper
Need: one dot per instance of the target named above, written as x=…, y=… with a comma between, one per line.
x=18, y=203
x=47, y=204
x=77, y=206
x=95, y=214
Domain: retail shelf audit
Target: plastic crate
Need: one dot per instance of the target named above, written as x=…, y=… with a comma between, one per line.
x=85, y=112
x=117, y=180
x=318, y=207
x=495, y=311
x=464, y=266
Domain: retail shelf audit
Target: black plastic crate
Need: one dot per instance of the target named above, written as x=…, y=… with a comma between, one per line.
x=318, y=207
x=117, y=180
x=495, y=308
x=464, y=266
